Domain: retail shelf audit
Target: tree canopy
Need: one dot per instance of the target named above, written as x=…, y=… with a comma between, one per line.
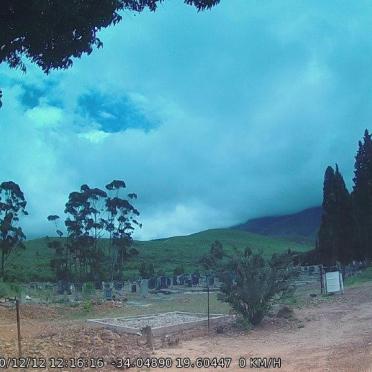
x=52, y=32
x=336, y=238
x=362, y=194
x=12, y=206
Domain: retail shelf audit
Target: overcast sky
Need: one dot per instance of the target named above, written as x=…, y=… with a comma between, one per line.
x=211, y=118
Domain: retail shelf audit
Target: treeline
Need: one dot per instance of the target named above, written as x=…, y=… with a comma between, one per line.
x=345, y=232
x=99, y=225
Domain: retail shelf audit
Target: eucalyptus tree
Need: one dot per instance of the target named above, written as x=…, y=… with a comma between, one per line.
x=121, y=222
x=12, y=206
x=60, y=261
x=85, y=226
x=93, y=214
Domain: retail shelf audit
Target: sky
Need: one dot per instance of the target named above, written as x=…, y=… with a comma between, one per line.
x=212, y=118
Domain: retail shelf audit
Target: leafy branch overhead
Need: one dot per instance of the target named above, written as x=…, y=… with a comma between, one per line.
x=50, y=33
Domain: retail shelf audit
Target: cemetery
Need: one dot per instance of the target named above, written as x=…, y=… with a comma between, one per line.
x=177, y=316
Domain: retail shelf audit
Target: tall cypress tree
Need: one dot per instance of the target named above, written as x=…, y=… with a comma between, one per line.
x=344, y=222
x=325, y=244
x=362, y=195
x=336, y=233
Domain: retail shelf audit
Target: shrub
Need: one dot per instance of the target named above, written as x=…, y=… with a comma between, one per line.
x=9, y=289
x=88, y=288
x=249, y=282
x=133, y=252
x=87, y=306
x=146, y=271
x=179, y=270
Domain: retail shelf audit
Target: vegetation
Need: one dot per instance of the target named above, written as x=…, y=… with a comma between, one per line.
x=91, y=213
x=51, y=33
x=33, y=263
x=12, y=205
x=336, y=233
x=364, y=276
x=249, y=281
x=362, y=196
x=146, y=270
x=9, y=290
x=346, y=227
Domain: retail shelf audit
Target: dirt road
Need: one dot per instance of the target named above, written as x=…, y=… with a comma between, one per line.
x=335, y=335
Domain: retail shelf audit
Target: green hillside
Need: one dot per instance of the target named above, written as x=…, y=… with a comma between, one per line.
x=32, y=264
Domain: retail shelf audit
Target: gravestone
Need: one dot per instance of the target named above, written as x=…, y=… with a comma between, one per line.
x=144, y=287
x=78, y=287
x=152, y=283
x=188, y=280
x=211, y=280
x=134, y=288
x=108, y=293
x=195, y=279
x=63, y=286
x=163, y=282
x=118, y=285
x=60, y=287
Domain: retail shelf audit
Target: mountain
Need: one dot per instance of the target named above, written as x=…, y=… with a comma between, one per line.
x=301, y=226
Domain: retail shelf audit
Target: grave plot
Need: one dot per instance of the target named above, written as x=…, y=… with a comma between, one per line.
x=163, y=323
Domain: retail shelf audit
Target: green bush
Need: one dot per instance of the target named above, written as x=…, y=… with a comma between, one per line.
x=146, y=270
x=249, y=282
x=9, y=289
x=88, y=288
x=87, y=306
x=179, y=270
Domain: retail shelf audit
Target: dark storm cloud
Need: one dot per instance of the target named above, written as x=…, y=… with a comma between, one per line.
x=212, y=118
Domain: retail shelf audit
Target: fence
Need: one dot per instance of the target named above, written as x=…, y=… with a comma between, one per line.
x=313, y=274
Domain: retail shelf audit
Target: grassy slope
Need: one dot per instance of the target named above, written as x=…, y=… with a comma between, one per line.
x=364, y=276
x=165, y=254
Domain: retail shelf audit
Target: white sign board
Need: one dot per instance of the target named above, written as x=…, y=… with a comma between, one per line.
x=334, y=282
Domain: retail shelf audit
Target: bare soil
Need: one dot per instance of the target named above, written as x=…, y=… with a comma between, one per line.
x=323, y=335
x=332, y=335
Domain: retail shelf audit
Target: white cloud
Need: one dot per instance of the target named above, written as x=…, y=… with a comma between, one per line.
x=45, y=116
x=94, y=136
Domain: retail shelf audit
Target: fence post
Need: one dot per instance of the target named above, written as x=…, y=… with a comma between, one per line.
x=208, y=305
x=18, y=329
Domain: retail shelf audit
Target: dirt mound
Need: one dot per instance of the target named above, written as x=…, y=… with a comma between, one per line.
x=73, y=341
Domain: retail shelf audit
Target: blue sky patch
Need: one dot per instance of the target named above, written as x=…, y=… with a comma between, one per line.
x=114, y=114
